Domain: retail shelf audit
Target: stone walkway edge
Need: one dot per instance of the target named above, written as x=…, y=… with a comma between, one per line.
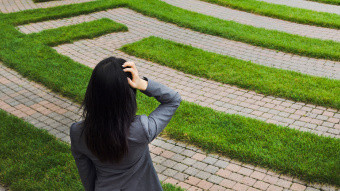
x=258, y=21
x=305, y=4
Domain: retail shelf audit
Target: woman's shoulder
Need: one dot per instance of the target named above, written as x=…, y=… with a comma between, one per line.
x=76, y=128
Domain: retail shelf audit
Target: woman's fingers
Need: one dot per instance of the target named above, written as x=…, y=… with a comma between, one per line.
x=131, y=64
x=132, y=84
x=133, y=72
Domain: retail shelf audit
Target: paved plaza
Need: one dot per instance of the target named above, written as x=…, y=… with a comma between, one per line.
x=178, y=163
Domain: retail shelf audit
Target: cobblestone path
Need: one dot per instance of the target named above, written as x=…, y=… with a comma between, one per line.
x=175, y=162
x=256, y=20
x=304, y=4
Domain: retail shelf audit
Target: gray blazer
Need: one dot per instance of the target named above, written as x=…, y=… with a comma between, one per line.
x=136, y=171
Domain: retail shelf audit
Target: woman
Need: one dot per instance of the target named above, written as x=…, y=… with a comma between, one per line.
x=110, y=146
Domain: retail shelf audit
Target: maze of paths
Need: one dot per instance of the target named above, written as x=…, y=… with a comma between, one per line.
x=178, y=163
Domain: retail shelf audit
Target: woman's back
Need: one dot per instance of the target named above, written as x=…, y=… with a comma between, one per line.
x=135, y=171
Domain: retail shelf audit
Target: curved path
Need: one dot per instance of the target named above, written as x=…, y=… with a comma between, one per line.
x=315, y=6
x=256, y=20
x=10, y=6
x=144, y=26
x=176, y=163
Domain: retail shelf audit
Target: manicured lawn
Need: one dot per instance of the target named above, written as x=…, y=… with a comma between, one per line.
x=69, y=34
x=227, y=29
x=228, y=70
x=334, y=2
x=283, y=12
x=32, y=159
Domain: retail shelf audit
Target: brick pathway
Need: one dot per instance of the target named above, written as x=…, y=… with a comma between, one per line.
x=304, y=4
x=141, y=26
x=256, y=20
x=175, y=162
x=9, y=6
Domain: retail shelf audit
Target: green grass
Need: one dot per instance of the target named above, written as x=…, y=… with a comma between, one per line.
x=32, y=159
x=334, y=2
x=69, y=34
x=298, y=15
x=310, y=157
x=271, y=39
x=228, y=70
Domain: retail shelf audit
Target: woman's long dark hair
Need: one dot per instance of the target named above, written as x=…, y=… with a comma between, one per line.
x=109, y=108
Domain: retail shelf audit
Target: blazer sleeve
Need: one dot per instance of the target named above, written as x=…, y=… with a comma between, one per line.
x=161, y=116
x=86, y=168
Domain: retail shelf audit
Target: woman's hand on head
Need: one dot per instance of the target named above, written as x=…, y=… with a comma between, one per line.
x=136, y=81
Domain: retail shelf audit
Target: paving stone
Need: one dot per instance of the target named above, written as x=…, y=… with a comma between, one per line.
x=189, y=161
x=261, y=185
x=248, y=181
x=209, y=160
x=297, y=187
x=258, y=175
x=178, y=158
x=191, y=171
x=199, y=165
x=169, y=163
x=215, y=179
x=204, y=185
x=181, y=176
x=169, y=172
x=274, y=188
x=283, y=183
x=159, y=168
x=180, y=167
x=228, y=183
x=159, y=159
x=223, y=173
x=188, y=153
x=203, y=175
x=236, y=177
x=192, y=180
x=221, y=164
x=211, y=169
x=240, y=187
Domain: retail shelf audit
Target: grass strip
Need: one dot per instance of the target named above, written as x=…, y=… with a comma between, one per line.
x=294, y=14
x=244, y=74
x=69, y=34
x=32, y=159
x=271, y=39
x=333, y=2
